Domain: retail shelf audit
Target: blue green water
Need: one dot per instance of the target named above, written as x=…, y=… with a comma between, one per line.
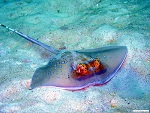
x=74, y=24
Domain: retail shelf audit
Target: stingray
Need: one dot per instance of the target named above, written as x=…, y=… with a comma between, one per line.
x=77, y=69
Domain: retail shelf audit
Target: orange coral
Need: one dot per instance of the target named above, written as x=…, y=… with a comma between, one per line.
x=82, y=68
x=95, y=63
x=85, y=69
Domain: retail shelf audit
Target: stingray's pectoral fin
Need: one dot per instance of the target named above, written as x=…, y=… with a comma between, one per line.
x=59, y=72
x=38, y=79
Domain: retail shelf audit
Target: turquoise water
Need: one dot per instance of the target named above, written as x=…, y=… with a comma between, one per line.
x=74, y=24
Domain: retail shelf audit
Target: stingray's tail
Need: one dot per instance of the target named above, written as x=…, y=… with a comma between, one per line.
x=49, y=48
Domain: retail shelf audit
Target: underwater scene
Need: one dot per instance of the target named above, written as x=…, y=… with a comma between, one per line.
x=74, y=56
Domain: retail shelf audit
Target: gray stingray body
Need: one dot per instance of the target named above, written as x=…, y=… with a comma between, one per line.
x=58, y=72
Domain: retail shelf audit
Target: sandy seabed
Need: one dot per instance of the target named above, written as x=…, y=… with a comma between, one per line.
x=74, y=24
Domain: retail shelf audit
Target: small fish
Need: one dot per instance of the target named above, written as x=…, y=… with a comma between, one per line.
x=77, y=69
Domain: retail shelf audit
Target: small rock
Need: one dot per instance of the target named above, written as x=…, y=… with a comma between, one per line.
x=114, y=103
